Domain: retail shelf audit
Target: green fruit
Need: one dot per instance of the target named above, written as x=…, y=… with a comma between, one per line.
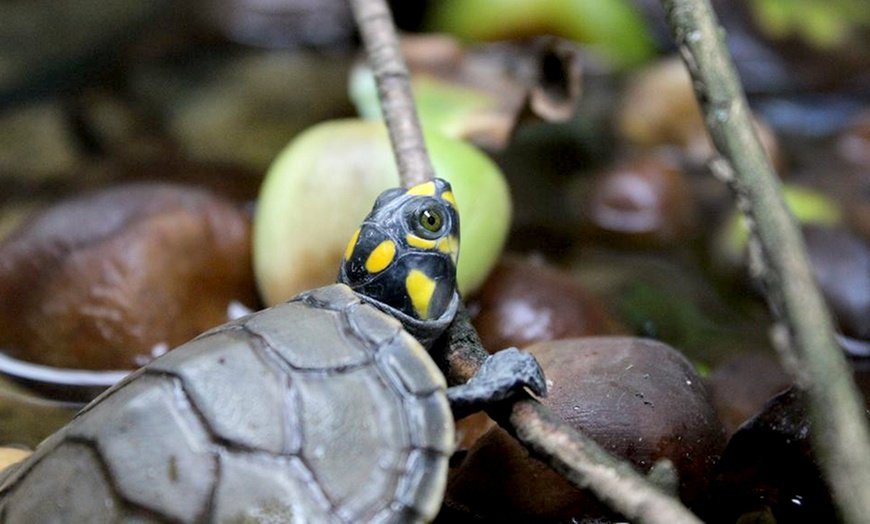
x=612, y=28
x=326, y=180
x=452, y=109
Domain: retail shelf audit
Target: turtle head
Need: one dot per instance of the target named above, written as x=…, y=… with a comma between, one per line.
x=403, y=257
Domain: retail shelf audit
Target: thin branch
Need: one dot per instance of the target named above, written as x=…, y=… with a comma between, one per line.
x=584, y=463
x=375, y=23
x=804, y=334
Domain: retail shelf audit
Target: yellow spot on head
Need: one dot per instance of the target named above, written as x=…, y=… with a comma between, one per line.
x=348, y=251
x=420, y=288
x=422, y=243
x=381, y=257
x=448, y=196
x=450, y=246
x=424, y=189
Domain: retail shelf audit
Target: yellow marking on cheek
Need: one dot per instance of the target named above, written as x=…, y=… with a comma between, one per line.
x=448, y=196
x=348, y=251
x=424, y=189
x=450, y=246
x=422, y=243
x=420, y=288
x=381, y=257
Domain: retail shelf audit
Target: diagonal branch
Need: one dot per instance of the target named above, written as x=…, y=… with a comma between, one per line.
x=804, y=334
x=375, y=23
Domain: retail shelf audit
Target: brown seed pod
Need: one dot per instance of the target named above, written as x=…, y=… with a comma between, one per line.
x=642, y=202
x=109, y=280
x=523, y=302
x=769, y=472
x=640, y=399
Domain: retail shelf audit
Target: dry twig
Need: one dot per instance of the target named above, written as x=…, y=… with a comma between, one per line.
x=375, y=23
x=805, y=334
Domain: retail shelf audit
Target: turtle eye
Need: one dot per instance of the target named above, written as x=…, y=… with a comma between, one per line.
x=429, y=221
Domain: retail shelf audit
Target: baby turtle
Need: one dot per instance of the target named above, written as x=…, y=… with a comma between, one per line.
x=327, y=408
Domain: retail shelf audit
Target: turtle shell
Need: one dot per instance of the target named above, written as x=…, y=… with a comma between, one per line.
x=322, y=409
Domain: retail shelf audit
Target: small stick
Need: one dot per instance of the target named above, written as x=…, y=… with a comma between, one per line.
x=375, y=23
x=804, y=333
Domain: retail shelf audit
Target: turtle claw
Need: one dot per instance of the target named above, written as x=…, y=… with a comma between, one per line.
x=503, y=375
x=515, y=369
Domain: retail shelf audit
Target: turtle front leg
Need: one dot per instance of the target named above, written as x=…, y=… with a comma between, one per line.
x=501, y=376
x=479, y=379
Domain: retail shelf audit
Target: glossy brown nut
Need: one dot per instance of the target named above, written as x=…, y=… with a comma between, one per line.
x=768, y=472
x=109, y=280
x=645, y=202
x=640, y=399
x=523, y=302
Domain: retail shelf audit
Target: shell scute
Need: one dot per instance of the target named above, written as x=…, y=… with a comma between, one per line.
x=210, y=370
x=431, y=423
x=355, y=438
x=308, y=338
x=337, y=297
x=425, y=472
x=281, y=493
x=58, y=484
x=157, y=452
x=410, y=366
x=373, y=326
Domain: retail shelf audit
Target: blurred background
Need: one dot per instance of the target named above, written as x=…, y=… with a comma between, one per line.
x=617, y=226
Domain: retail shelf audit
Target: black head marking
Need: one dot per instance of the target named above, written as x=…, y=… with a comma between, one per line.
x=403, y=257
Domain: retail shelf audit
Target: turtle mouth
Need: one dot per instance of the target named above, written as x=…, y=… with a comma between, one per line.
x=64, y=385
